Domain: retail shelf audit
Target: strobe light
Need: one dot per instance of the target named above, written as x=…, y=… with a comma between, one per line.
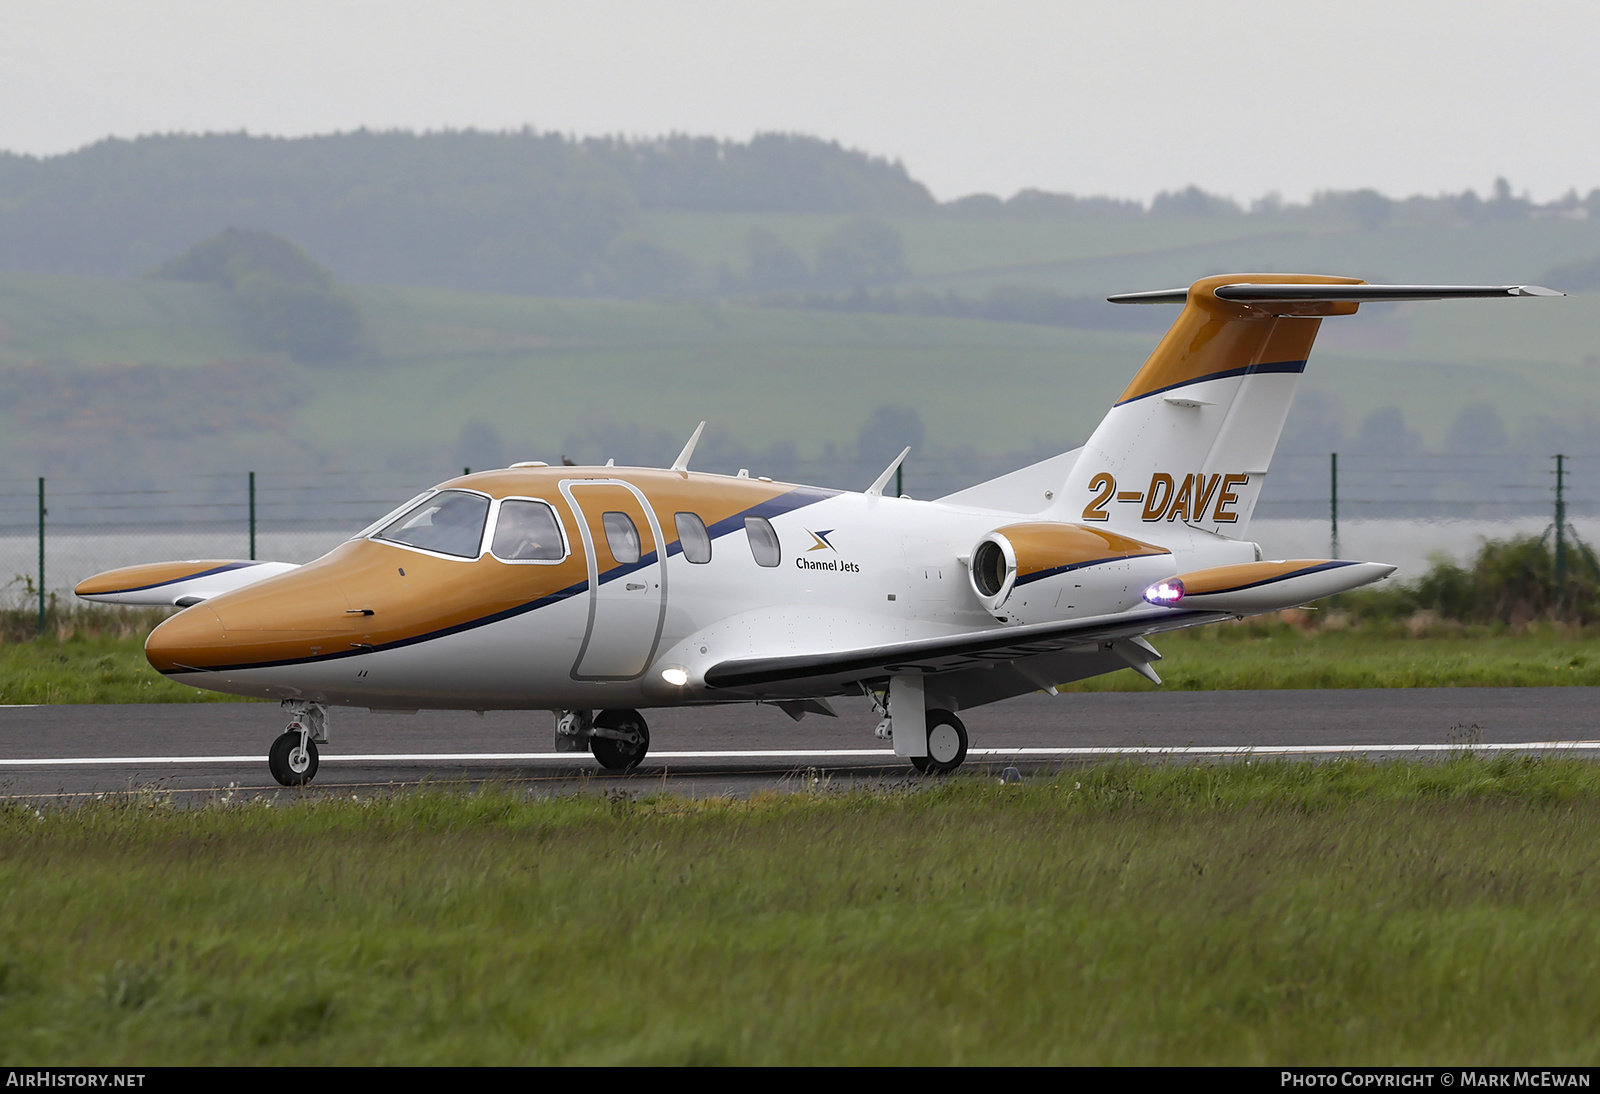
x=1165, y=593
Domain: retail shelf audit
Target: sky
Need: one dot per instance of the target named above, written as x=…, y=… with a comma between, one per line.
x=1125, y=99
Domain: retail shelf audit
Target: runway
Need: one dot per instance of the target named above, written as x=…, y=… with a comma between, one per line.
x=195, y=750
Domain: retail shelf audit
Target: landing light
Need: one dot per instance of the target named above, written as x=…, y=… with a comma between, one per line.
x=676, y=677
x=1165, y=593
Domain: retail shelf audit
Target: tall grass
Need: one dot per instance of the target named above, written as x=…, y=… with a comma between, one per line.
x=1348, y=912
x=88, y=653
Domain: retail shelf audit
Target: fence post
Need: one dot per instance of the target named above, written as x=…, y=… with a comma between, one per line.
x=1333, y=501
x=252, y=516
x=41, y=556
x=1561, y=529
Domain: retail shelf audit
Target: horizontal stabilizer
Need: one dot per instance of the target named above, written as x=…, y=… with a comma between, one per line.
x=1335, y=294
x=1264, y=586
x=177, y=584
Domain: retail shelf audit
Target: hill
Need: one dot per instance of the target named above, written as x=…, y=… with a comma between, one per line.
x=154, y=378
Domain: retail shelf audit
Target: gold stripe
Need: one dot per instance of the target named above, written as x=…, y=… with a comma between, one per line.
x=1048, y=545
x=314, y=611
x=1213, y=335
x=147, y=574
x=1222, y=579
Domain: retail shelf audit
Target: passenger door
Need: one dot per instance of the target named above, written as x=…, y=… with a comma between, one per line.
x=627, y=583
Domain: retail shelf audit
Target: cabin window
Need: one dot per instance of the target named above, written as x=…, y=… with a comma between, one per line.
x=526, y=531
x=622, y=536
x=693, y=537
x=450, y=522
x=763, y=541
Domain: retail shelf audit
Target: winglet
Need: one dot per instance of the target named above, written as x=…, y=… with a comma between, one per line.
x=876, y=489
x=681, y=464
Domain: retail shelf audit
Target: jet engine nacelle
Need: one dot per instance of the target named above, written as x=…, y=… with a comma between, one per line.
x=1039, y=571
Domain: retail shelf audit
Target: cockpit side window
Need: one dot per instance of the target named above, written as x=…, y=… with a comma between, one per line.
x=622, y=537
x=450, y=522
x=527, y=531
x=693, y=537
x=763, y=541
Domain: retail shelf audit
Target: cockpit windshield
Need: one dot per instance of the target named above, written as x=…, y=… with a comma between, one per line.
x=450, y=522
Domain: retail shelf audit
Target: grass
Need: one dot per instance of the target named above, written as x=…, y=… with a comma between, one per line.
x=89, y=654
x=1349, y=913
x=1275, y=653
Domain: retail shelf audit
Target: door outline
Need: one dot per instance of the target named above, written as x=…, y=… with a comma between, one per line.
x=592, y=559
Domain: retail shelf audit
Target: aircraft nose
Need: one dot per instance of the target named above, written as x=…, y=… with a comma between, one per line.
x=192, y=639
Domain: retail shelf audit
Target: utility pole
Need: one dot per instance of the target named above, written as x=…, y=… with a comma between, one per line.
x=1333, y=501
x=252, y=516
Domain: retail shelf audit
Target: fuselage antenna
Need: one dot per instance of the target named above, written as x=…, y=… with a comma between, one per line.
x=681, y=464
x=876, y=489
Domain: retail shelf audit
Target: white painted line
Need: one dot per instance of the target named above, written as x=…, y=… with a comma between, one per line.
x=833, y=753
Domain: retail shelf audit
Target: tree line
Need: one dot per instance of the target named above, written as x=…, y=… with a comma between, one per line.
x=543, y=213
x=520, y=212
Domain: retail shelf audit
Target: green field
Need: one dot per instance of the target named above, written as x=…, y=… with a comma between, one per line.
x=1345, y=913
x=108, y=666
x=549, y=374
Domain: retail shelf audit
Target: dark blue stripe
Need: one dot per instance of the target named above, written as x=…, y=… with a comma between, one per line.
x=797, y=498
x=186, y=577
x=1054, y=570
x=1248, y=370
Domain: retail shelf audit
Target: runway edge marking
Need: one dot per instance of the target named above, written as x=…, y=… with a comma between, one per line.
x=837, y=753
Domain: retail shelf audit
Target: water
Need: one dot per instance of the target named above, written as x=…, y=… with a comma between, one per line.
x=1410, y=545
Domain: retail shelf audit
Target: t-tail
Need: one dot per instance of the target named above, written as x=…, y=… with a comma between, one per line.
x=1190, y=440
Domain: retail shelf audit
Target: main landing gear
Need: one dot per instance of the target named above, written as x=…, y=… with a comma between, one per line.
x=934, y=740
x=947, y=744
x=293, y=756
x=618, y=739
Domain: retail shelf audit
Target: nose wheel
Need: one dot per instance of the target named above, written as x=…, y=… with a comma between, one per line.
x=293, y=758
x=619, y=739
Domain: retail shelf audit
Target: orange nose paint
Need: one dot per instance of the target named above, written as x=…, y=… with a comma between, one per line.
x=194, y=638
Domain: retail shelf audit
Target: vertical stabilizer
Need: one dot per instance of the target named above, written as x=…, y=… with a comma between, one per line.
x=1191, y=438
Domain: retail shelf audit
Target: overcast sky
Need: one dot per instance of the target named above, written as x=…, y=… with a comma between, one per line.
x=1125, y=99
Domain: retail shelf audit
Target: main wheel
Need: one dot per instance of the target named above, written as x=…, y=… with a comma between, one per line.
x=947, y=744
x=290, y=764
x=620, y=755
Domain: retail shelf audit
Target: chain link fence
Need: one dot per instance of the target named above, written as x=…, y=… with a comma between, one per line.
x=1394, y=509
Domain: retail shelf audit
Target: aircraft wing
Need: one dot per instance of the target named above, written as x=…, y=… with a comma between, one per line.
x=177, y=584
x=1046, y=645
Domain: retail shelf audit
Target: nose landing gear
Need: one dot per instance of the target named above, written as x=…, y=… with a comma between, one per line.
x=293, y=757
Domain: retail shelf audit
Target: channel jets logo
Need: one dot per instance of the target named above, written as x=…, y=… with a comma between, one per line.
x=821, y=542
x=1187, y=499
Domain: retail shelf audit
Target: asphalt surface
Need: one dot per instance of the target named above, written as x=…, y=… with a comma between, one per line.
x=198, y=750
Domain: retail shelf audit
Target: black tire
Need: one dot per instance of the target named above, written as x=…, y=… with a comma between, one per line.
x=288, y=769
x=947, y=744
x=615, y=755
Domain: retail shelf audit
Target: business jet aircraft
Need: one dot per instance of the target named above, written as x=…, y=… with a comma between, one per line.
x=593, y=592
